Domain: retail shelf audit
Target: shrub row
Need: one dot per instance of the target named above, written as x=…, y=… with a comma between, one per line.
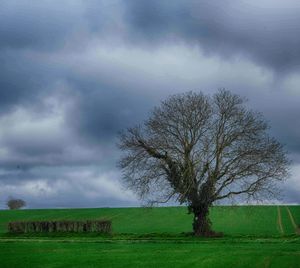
x=99, y=226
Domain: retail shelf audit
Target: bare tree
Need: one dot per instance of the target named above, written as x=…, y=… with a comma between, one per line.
x=198, y=149
x=13, y=203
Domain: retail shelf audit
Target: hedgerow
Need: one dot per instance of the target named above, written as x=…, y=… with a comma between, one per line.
x=99, y=226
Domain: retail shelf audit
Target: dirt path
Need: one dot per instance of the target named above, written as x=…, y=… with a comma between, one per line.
x=279, y=221
x=297, y=230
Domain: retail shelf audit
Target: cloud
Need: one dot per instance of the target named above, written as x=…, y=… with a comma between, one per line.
x=40, y=25
x=30, y=138
x=74, y=187
x=290, y=192
x=265, y=31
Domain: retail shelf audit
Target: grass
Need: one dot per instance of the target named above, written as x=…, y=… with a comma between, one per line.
x=54, y=254
x=232, y=221
x=156, y=238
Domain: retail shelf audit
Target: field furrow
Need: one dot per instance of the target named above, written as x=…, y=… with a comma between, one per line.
x=297, y=230
x=279, y=221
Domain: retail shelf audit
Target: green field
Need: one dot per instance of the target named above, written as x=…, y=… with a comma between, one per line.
x=254, y=236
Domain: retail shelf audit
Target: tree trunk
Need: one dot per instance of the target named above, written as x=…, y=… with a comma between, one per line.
x=202, y=224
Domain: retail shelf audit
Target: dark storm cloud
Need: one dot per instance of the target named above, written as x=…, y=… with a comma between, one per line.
x=21, y=79
x=267, y=31
x=51, y=25
x=102, y=109
x=39, y=25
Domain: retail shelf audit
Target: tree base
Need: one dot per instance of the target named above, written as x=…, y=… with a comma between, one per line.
x=202, y=226
x=208, y=234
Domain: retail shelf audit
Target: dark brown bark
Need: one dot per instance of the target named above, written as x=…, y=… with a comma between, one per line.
x=201, y=223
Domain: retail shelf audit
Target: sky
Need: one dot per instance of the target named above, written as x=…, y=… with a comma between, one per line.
x=75, y=73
